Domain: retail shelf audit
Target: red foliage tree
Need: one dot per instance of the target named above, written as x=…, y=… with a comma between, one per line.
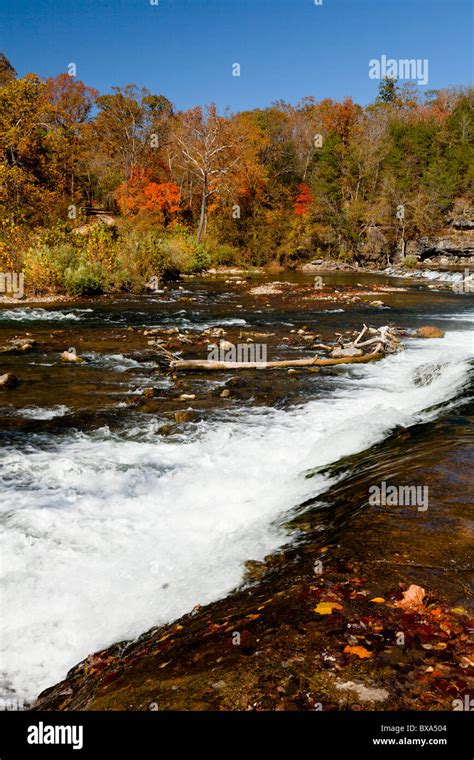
x=303, y=200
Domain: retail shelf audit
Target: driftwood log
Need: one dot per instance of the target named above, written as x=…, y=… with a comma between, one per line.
x=383, y=341
x=207, y=364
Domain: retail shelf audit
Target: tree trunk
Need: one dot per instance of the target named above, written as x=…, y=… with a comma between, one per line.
x=203, y=219
x=403, y=244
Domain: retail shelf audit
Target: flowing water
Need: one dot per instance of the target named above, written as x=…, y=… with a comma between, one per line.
x=109, y=527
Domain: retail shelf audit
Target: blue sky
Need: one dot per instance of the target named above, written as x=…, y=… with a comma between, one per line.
x=184, y=49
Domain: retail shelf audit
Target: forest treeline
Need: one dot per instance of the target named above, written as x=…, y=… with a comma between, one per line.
x=195, y=188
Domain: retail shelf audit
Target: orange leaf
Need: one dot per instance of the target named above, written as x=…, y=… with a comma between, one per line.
x=359, y=651
x=326, y=608
x=378, y=600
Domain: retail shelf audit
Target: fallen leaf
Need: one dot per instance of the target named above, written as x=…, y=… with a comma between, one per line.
x=326, y=608
x=412, y=598
x=359, y=651
x=378, y=600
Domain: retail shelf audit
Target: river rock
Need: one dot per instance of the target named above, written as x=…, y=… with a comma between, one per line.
x=429, y=331
x=71, y=356
x=345, y=353
x=8, y=381
x=19, y=346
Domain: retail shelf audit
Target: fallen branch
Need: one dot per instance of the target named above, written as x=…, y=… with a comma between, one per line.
x=361, y=335
x=211, y=366
x=383, y=341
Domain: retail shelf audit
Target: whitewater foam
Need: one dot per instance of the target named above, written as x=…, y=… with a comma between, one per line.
x=434, y=275
x=42, y=413
x=27, y=314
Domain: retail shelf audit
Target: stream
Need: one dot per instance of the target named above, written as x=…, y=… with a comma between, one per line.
x=110, y=526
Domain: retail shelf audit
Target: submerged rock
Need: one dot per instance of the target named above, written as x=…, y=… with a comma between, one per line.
x=186, y=415
x=8, y=381
x=429, y=331
x=167, y=429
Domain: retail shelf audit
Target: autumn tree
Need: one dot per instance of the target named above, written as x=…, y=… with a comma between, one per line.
x=68, y=106
x=129, y=127
x=208, y=151
x=388, y=91
x=25, y=171
x=7, y=72
x=143, y=194
x=303, y=200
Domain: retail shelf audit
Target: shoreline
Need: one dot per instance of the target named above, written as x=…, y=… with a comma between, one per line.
x=330, y=268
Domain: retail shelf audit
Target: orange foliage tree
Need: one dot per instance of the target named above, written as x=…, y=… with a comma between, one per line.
x=141, y=193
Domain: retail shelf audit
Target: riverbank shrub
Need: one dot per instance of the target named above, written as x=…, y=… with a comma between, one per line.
x=410, y=262
x=104, y=259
